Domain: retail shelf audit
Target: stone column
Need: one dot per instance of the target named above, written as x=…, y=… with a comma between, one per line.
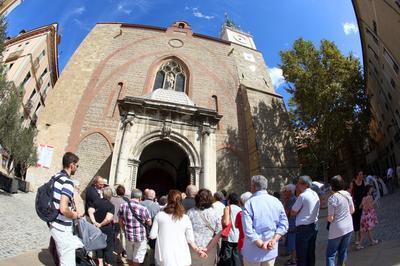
x=194, y=175
x=205, y=146
x=130, y=181
x=121, y=158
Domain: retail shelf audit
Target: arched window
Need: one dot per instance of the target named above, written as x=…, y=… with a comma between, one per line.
x=170, y=76
x=159, y=82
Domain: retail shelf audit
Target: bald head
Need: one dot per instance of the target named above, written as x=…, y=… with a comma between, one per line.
x=99, y=182
x=149, y=194
x=191, y=191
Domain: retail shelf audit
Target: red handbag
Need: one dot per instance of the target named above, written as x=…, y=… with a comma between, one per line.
x=227, y=229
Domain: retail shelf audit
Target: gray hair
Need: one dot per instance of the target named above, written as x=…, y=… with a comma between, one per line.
x=149, y=194
x=245, y=196
x=259, y=182
x=219, y=196
x=107, y=193
x=191, y=191
x=306, y=180
x=136, y=193
x=290, y=187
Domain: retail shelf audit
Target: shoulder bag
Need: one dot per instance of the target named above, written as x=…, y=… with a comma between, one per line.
x=227, y=229
x=137, y=217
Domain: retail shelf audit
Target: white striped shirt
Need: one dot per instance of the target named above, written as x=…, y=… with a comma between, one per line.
x=62, y=186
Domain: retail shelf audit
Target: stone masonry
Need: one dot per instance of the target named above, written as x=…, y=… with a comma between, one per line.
x=117, y=60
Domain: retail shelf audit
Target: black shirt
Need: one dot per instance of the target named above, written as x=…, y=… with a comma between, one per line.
x=92, y=195
x=189, y=203
x=102, y=207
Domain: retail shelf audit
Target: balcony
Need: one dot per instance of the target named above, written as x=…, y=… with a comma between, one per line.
x=13, y=56
x=34, y=120
x=36, y=64
x=39, y=83
x=28, y=107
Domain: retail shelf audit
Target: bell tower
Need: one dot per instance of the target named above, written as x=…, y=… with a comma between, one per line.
x=232, y=33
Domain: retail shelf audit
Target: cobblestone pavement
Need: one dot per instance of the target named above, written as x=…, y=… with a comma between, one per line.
x=388, y=229
x=21, y=230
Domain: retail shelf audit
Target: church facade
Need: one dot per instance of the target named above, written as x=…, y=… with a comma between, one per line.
x=162, y=108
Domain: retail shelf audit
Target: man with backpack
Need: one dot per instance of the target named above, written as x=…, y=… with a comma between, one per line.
x=61, y=228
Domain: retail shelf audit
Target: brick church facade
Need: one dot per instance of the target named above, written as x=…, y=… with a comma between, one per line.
x=157, y=107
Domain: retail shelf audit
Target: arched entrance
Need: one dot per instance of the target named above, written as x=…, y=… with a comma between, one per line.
x=163, y=166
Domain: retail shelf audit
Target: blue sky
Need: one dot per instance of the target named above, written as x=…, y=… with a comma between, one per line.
x=274, y=24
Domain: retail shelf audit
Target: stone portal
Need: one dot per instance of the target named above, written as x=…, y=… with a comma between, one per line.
x=164, y=141
x=163, y=166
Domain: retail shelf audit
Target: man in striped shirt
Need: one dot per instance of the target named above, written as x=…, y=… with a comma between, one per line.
x=61, y=228
x=135, y=232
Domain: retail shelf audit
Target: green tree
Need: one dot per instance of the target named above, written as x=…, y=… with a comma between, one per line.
x=329, y=106
x=17, y=139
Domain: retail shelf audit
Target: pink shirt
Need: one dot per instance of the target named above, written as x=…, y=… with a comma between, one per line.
x=367, y=203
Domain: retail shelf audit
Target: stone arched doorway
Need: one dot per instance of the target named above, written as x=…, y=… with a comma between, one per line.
x=163, y=166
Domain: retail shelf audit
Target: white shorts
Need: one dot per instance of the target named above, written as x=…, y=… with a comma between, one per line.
x=136, y=251
x=264, y=263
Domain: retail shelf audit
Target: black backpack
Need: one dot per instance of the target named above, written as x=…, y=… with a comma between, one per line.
x=44, y=204
x=82, y=258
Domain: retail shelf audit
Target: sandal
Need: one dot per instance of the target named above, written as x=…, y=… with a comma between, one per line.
x=375, y=242
x=290, y=262
x=359, y=247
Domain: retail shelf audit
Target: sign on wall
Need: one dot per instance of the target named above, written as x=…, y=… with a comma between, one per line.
x=45, y=155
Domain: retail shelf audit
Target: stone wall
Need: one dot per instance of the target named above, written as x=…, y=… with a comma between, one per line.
x=273, y=137
x=118, y=60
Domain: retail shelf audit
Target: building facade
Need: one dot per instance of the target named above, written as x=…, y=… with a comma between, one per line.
x=162, y=108
x=6, y=6
x=379, y=25
x=31, y=62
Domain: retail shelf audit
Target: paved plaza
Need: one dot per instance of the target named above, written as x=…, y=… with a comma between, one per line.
x=24, y=237
x=21, y=230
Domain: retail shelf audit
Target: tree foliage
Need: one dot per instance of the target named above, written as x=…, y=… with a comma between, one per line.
x=329, y=106
x=15, y=138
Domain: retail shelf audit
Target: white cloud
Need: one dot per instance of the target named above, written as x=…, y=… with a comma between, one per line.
x=128, y=6
x=77, y=11
x=82, y=25
x=350, y=28
x=198, y=14
x=187, y=8
x=276, y=76
x=123, y=9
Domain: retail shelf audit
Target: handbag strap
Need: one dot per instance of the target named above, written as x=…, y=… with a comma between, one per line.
x=206, y=222
x=134, y=214
x=230, y=214
x=348, y=202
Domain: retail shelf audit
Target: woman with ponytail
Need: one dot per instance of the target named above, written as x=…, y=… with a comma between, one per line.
x=174, y=233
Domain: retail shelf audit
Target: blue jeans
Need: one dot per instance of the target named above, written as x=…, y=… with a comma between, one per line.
x=338, y=246
x=306, y=235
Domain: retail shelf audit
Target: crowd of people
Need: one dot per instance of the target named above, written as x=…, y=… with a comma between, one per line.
x=201, y=228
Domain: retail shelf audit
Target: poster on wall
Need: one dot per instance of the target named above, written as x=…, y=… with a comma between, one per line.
x=45, y=155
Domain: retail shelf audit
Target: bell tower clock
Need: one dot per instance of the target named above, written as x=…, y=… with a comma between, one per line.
x=232, y=33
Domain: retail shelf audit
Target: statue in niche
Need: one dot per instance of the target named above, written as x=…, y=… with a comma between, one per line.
x=166, y=131
x=170, y=82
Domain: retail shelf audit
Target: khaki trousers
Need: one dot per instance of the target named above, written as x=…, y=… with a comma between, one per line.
x=264, y=263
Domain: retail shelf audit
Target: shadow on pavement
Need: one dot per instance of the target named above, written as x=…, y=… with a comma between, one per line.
x=3, y=193
x=44, y=257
